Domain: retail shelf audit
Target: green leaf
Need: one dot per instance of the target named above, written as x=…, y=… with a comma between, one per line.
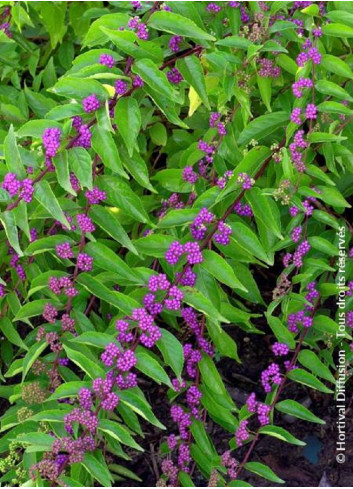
x=128, y=120
x=293, y=408
x=281, y=333
x=155, y=78
x=179, y=25
x=135, y=400
x=43, y=440
x=337, y=30
x=247, y=239
x=197, y=300
x=220, y=269
x=79, y=88
x=263, y=211
x=265, y=87
x=234, y=42
x=118, y=432
x=323, y=245
x=159, y=134
x=334, y=108
x=172, y=351
x=81, y=165
x=104, y=145
x=150, y=367
x=332, y=196
x=336, y=65
x=97, y=470
x=287, y=63
x=251, y=164
x=324, y=137
x=304, y=377
x=281, y=434
x=46, y=197
x=12, y=155
x=31, y=356
x=9, y=331
x=69, y=389
x=122, y=302
x=224, y=343
x=129, y=43
x=107, y=219
x=311, y=361
x=212, y=379
x=95, y=34
x=177, y=217
x=92, y=369
x=341, y=16
x=324, y=323
x=263, y=126
x=329, y=88
x=107, y=259
x=93, y=338
x=191, y=69
x=61, y=164
x=46, y=244
x=121, y=195
x=35, y=129
x=7, y=219
x=263, y=471
x=185, y=480
x=154, y=244
x=31, y=309
x=53, y=16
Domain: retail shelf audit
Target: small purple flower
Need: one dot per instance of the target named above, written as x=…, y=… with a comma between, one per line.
x=91, y=103
x=120, y=87
x=106, y=60
x=51, y=141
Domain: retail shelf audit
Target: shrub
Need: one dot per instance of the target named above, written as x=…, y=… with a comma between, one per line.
x=175, y=176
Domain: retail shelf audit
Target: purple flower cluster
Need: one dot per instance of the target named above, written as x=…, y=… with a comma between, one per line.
x=271, y=374
x=51, y=141
x=241, y=434
x=140, y=28
x=174, y=43
x=189, y=175
x=176, y=250
x=120, y=87
x=295, y=148
x=222, y=236
x=299, y=318
x=95, y=196
x=243, y=210
x=299, y=86
x=213, y=7
x=64, y=250
x=222, y=182
x=262, y=410
x=268, y=69
x=198, y=227
x=246, y=181
x=15, y=186
x=230, y=464
x=174, y=76
x=91, y=103
x=106, y=60
x=311, y=54
x=85, y=223
x=215, y=122
x=57, y=285
x=280, y=349
x=83, y=139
